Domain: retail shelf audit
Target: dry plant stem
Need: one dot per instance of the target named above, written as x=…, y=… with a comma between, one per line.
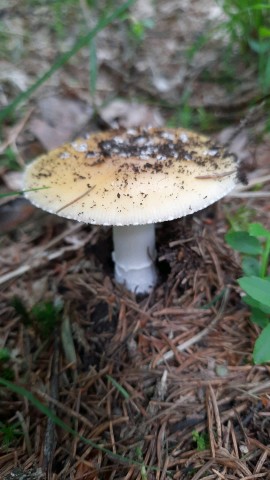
x=50, y=435
x=252, y=182
x=38, y=263
x=243, y=191
x=217, y=417
x=260, y=462
x=42, y=257
x=250, y=194
x=14, y=132
x=248, y=121
x=180, y=348
x=25, y=432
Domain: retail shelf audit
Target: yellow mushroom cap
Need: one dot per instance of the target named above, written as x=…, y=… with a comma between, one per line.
x=131, y=177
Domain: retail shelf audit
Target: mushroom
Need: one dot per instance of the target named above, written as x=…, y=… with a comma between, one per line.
x=131, y=180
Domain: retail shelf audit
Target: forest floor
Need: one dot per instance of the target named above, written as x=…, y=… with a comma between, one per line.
x=161, y=386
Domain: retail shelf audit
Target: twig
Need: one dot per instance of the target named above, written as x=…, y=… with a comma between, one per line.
x=181, y=311
x=180, y=348
x=215, y=175
x=50, y=435
x=15, y=131
x=261, y=194
x=25, y=433
x=41, y=256
x=261, y=461
x=254, y=441
x=209, y=412
x=244, y=192
x=39, y=262
x=247, y=121
x=203, y=469
x=254, y=181
x=75, y=199
x=217, y=416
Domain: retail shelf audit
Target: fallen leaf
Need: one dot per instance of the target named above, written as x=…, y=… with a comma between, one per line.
x=13, y=180
x=13, y=213
x=120, y=113
x=59, y=120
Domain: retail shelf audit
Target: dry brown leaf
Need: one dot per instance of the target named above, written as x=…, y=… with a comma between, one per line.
x=125, y=114
x=59, y=120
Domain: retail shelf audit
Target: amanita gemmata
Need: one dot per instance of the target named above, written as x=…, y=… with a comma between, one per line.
x=131, y=180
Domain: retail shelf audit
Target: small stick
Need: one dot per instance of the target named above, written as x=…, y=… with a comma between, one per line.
x=15, y=131
x=216, y=175
x=170, y=354
x=236, y=194
x=75, y=200
x=254, y=181
x=50, y=433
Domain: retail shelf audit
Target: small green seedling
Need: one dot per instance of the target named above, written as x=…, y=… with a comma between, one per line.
x=8, y=159
x=105, y=19
x=248, y=29
x=138, y=28
x=254, y=246
x=5, y=370
x=43, y=316
x=4, y=354
x=240, y=220
x=201, y=440
x=9, y=433
x=139, y=455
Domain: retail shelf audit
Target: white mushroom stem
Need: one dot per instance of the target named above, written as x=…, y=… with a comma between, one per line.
x=134, y=255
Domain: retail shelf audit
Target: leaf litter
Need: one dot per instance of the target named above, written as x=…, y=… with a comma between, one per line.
x=136, y=376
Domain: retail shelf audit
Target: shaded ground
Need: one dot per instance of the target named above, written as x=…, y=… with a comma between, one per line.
x=165, y=383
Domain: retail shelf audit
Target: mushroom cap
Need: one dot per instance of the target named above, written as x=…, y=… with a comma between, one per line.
x=131, y=177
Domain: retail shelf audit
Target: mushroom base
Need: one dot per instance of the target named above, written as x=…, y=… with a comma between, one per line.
x=134, y=255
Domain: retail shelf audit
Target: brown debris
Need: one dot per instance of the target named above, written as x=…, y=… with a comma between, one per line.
x=203, y=387
x=207, y=388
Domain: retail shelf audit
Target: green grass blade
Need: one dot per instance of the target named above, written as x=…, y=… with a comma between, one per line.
x=83, y=41
x=57, y=421
x=11, y=194
x=118, y=387
x=93, y=68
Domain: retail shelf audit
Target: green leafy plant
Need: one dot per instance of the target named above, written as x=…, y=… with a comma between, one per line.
x=8, y=159
x=187, y=116
x=4, y=355
x=104, y=20
x=7, y=373
x=201, y=440
x=12, y=194
x=241, y=219
x=248, y=27
x=5, y=370
x=43, y=316
x=138, y=28
x=19, y=390
x=139, y=455
x=9, y=432
x=254, y=246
